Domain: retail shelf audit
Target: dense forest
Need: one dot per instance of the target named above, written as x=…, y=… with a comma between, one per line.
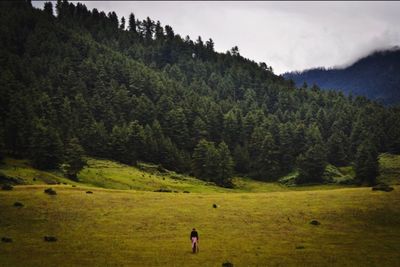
x=77, y=82
x=376, y=76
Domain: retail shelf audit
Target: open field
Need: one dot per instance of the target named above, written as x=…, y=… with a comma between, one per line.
x=255, y=224
x=359, y=227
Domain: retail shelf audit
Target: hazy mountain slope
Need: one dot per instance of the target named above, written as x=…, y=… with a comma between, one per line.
x=376, y=76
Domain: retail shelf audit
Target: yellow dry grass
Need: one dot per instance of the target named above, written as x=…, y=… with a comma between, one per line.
x=359, y=227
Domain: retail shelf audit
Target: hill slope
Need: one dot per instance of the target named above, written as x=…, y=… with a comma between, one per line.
x=376, y=76
x=144, y=93
x=108, y=174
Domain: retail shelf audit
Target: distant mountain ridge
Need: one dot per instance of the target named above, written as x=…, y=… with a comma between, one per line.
x=376, y=76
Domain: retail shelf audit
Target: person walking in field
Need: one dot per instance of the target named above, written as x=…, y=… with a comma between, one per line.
x=194, y=237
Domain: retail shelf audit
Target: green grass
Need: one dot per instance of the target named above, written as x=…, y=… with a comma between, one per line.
x=389, y=168
x=109, y=174
x=261, y=224
x=359, y=227
x=112, y=175
x=23, y=170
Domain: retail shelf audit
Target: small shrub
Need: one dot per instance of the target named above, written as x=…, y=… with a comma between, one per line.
x=227, y=264
x=7, y=187
x=50, y=191
x=187, y=192
x=347, y=180
x=161, y=169
x=6, y=240
x=315, y=222
x=299, y=247
x=18, y=204
x=382, y=187
x=163, y=190
x=177, y=177
x=89, y=192
x=50, y=239
x=5, y=179
x=215, y=206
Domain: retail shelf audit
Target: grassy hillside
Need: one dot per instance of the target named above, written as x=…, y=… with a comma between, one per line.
x=359, y=227
x=389, y=168
x=146, y=177
x=112, y=175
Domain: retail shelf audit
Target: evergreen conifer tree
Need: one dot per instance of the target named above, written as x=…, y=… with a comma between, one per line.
x=367, y=163
x=311, y=165
x=46, y=147
x=74, y=161
x=225, y=166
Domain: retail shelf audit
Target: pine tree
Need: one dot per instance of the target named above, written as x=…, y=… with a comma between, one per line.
x=74, y=161
x=199, y=130
x=151, y=150
x=169, y=32
x=225, y=166
x=267, y=163
x=148, y=29
x=205, y=161
x=132, y=23
x=200, y=159
x=159, y=31
x=210, y=45
x=48, y=8
x=311, y=165
x=336, y=147
x=122, y=25
x=286, y=147
x=367, y=163
x=136, y=142
x=119, y=139
x=232, y=127
x=176, y=127
x=264, y=155
x=46, y=148
x=242, y=159
x=112, y=16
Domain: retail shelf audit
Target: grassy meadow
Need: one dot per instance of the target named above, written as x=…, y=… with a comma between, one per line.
x=255, y=224
x=359, y=227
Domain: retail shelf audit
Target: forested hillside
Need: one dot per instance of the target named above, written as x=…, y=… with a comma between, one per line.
x=376, y=76
x=85, y=82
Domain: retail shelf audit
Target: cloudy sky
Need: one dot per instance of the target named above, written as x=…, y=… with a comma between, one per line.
x=286, y=35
